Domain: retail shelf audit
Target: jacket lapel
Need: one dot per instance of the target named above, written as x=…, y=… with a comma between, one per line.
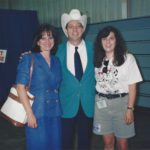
x=65, y=62
x=89, y=59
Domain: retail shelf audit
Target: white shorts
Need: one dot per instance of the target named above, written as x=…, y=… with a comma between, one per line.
x=110, y=119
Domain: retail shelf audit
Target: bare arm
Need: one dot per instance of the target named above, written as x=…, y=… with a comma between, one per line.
x=129, y=116
x=132, y=95
x=25, y=101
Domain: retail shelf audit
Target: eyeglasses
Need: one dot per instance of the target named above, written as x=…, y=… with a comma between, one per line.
x=105, y=68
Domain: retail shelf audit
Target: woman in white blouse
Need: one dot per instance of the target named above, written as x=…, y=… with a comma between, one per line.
x=116, y=74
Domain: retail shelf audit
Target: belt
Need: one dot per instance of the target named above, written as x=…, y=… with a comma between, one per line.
x=111, y=96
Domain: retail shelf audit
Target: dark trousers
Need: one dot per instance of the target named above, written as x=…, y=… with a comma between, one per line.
x=80, y=128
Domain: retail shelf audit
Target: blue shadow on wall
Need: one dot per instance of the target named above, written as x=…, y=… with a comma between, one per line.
x=17, y=28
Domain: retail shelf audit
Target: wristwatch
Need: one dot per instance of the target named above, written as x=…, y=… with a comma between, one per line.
x=130, y=108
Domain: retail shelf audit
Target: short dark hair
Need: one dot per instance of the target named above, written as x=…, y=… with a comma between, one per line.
x=120, y=49
x=38, y=35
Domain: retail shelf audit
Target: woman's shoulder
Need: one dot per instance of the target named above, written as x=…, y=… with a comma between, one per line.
x=55, y=58
x=26, y=55
x=25, y=60
x=130, y=57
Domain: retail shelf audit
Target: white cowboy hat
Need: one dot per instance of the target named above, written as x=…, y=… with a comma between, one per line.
x=73, y=15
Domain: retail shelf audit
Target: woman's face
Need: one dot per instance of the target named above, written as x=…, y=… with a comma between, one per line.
x=46, y=43
x=109, y=43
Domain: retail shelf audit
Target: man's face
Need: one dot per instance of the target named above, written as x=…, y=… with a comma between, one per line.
x=74, y=30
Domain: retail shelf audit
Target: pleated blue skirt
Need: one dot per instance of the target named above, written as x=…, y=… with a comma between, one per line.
x=47, y=136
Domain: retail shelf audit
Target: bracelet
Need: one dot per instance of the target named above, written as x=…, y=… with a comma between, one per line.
x=130, y=108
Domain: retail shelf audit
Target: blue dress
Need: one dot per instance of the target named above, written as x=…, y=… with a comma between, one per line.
x=44, y=86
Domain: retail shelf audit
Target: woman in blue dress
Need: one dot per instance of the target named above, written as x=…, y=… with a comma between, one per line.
x=43, y=128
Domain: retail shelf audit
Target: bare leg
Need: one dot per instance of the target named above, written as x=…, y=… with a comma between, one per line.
x=122, y=144
x=109, y=141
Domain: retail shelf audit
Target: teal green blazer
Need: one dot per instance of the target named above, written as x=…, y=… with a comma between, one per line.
x=73, y=92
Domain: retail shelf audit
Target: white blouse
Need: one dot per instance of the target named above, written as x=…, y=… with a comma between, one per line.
x=117, y=79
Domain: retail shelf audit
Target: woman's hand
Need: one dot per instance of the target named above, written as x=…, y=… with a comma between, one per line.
x=129, y=116
x=32, y=123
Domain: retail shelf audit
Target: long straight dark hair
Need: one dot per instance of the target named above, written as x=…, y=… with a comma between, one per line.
x=120, y=49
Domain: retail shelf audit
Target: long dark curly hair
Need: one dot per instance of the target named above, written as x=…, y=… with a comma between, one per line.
x=120, y=49
x=38, y=35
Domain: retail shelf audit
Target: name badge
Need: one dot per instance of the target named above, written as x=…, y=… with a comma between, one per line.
x=101, y=104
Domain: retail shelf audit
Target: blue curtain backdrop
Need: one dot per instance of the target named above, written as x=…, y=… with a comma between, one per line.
x=17, y=28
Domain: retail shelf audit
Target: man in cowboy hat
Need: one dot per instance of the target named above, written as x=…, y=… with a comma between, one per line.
x=78, y=85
